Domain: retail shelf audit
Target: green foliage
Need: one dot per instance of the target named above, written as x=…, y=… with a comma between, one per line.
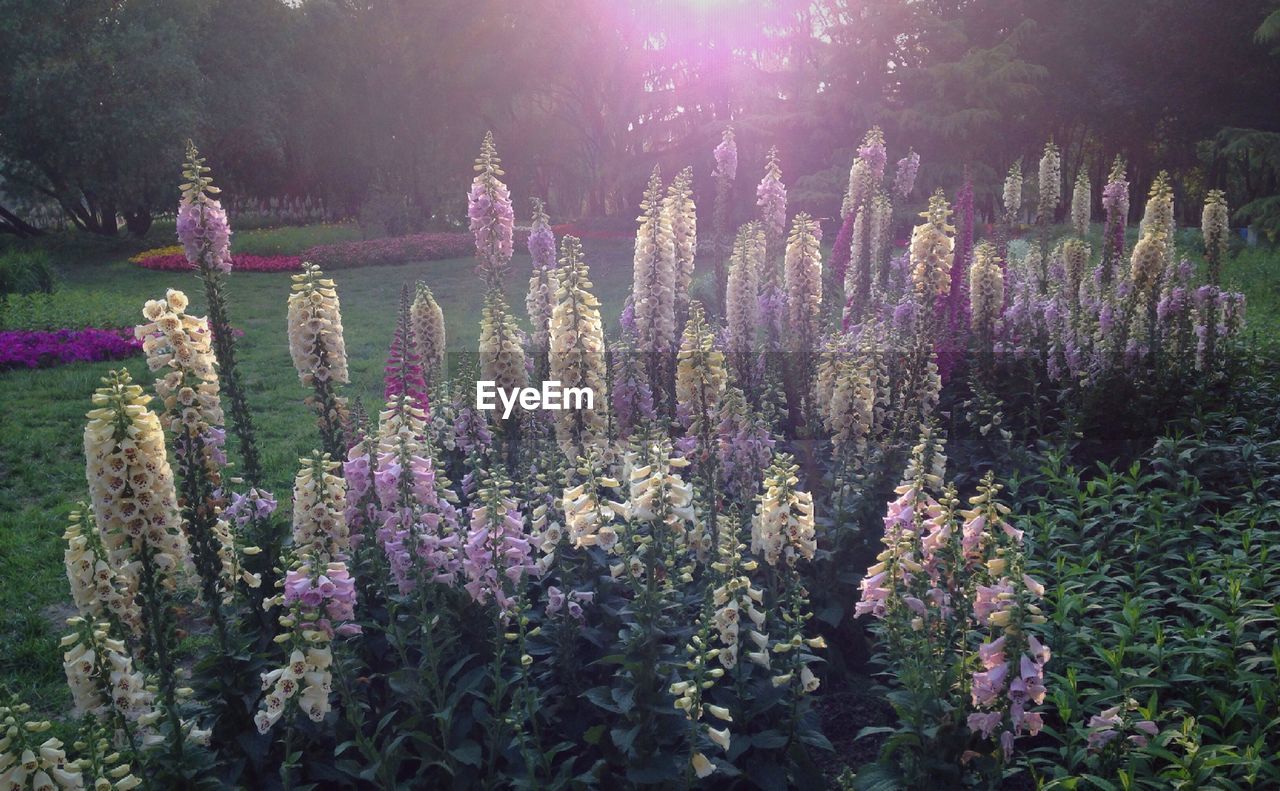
x=1163, y=594
x=67, y=309
x=26, y=272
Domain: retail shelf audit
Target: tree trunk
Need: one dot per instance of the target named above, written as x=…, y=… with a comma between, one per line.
x=12, y=223
x=138, y=222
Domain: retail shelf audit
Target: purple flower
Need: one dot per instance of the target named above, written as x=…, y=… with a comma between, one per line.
x=905, y=179
x=205, y=234
x=727, y=158
x=41, y=349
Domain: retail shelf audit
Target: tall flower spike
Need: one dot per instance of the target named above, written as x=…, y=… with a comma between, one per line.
x=206, y=240
x=700, y=373
x=654, y=285
x=178, y=347
x=1115, y=201
x=932, y=248
x=866, y=172
x=428, y=332
x=986, y=288
x=1081, y=204
x=1050, y=182
x=726, y=155
x=1215, y=225
x=771, y=198
x=202, y=222
x=319, y=510
x=783, y=527
x=1075, y=259
x=1012, y=195
x=543, y=283
x=130, y=482
x=492, y=220
x=501, y=353
x=403, y=372
x=498, y=554
x=683, y=217
x=904, y=180
x=803, y=281
x=577, y=354
x=319, y=351
x=742, y=300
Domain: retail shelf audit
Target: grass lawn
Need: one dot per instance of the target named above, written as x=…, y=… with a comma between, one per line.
x=41, y=455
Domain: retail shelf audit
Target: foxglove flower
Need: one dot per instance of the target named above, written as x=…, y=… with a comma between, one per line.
x=783, y=526
x=319, y=510
x=428, y=332
x=202, y=223
x=771, y=198
x=700, y=373
x=904, y=180
x=932, y=249
x=654, y=286
x=1081, y=204
x=803, y=281
x=1012, y=195
x=577, y=354
x=131, y=484
x=681, y=215
x=1050, y=183
x=1214, y=224
x=543, y=283
x=491, y=217
x=726, y=156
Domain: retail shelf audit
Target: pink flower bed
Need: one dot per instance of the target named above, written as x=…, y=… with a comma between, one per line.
x=42, y=349
x=240, y=262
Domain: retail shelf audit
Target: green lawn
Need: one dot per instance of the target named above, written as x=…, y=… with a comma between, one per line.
x=41, y=462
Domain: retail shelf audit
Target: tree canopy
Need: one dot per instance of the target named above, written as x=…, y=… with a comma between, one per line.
x=341, y=99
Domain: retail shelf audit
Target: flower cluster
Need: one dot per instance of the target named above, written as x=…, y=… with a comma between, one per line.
x=498, y=552
x=726, y=156
x=577, y=353
x=428, y=331
x=491, y=216
x=681, y=215
x=202, y=222
x=654, y=284
x=771, y=198
x=1050, y=182
x=904, y=179
x=502, y=357
x=315, y=328
x=319, y=509
x=1011, y=197
x=131, y=484
x=46, y=349
x=803, y=281
x=29, y=759
x=783, y=526
x=932, y=248
x=1081, y=204
x=178, y=347
x=543, y=284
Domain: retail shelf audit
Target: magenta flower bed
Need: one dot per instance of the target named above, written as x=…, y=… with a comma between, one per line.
x=41, y=349
x=240, y=262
